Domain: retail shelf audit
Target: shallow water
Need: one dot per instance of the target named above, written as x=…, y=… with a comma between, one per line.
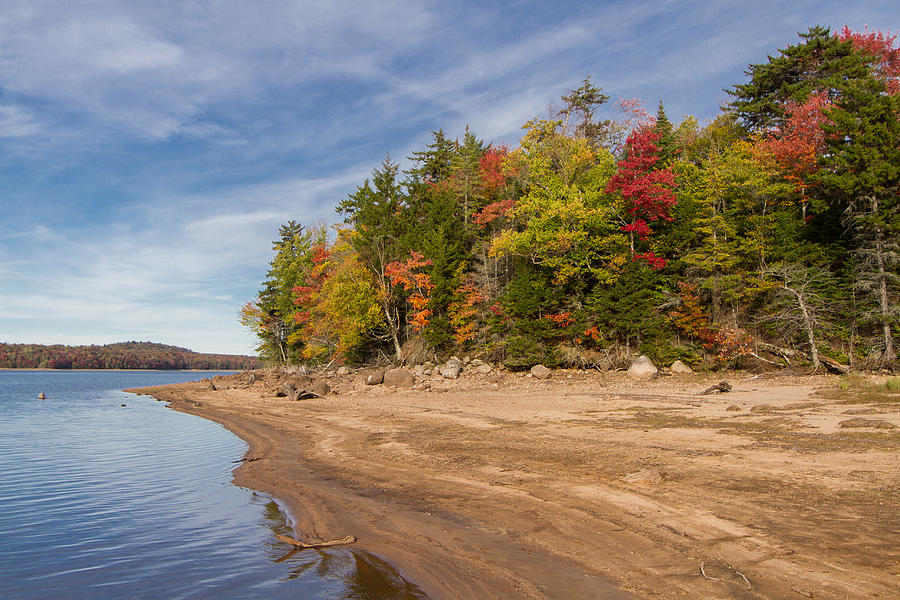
x=104, y=501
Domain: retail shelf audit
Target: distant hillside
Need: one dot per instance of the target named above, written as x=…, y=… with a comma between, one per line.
x=123, y=355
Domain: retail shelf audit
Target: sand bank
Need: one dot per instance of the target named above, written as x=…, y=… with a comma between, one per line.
x=585, y=485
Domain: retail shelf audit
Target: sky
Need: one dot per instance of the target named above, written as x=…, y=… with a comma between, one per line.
x=149, y=151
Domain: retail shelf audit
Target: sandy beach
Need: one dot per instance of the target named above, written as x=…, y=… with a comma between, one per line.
x=585, y=485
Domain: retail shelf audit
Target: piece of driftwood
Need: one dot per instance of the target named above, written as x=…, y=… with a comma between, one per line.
x=303, y=545
x=834, y=366
x=703, y=572
x=720, y=388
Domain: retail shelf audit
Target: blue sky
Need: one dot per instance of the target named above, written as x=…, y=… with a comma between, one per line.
x=150, y=150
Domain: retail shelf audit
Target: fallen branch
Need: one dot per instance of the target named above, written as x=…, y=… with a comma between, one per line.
x=745, y=580
x=720, y=388
x=702, y=572
x=303, y=545
x=801, y=592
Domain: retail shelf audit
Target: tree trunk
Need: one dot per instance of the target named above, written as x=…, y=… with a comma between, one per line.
x=889, y=355
x=808, y=325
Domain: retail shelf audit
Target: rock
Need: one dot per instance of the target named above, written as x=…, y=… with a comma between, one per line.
x=374, y=377
x=345, y=388
x=541, y=372
x=465, y=360
x=483, y=368
x=476, y=362
x=399, y=378
x=343, y=371
x=860, y=422
x=320, y=388
x=285, y=389
x=646, y=476
x=642, y=368
x=418, y=370
x=733, y=408
x=679, y=368
x=451, y=369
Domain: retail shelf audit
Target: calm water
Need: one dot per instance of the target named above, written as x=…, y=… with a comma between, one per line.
x=103, y=501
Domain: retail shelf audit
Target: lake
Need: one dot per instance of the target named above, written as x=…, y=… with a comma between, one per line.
x=101, y=500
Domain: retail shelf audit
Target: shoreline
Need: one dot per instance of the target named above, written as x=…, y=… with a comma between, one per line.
x=500, y=493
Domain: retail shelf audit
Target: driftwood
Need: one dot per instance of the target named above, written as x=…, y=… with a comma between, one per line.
x=834, y=366
x=720, y=388
x=303, y=545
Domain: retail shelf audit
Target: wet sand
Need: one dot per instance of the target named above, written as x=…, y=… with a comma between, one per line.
x=585, y=485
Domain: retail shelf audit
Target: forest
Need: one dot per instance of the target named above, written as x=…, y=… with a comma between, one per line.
x=767, y=237
x=123, y=355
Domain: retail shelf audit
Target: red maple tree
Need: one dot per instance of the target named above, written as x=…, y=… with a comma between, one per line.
x=647, y=190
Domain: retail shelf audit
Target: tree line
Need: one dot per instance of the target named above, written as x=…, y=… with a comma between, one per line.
x=768, y=235
x=123, y=355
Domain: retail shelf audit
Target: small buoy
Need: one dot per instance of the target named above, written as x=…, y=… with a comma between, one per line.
x=42, y=396
x=123, y=404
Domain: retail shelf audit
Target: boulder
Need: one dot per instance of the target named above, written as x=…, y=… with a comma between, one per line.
x=679, y=367
x=320, y=388
x=642, y=368
x=374, y=377
x=540, y=372
x=343, y=371
x=451, y=368
x=483, y=368
x=399, y=378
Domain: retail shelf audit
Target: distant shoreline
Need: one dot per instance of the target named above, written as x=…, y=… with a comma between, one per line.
x=123, y=370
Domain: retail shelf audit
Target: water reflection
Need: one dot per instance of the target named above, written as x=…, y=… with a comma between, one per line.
x=363, y=575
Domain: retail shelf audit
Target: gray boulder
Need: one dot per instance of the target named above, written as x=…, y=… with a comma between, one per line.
x=483, y=368
x=451, y=368
x=374, y=377
x=540, y=372
x=679, y=367
x=642, y=368
x=399, y=378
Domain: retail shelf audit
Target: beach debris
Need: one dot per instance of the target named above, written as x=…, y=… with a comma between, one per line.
x=723, y=387
x=834, y=366
x=374, y=377
x=305, y=545
x=540, y=372
x=874, y=423
x=451, y=368
x=646, y=476
x=703, y=572
x=741, y=575
x=399, y=378
x=642, y=368
x=679, y=368
x=42, y=396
